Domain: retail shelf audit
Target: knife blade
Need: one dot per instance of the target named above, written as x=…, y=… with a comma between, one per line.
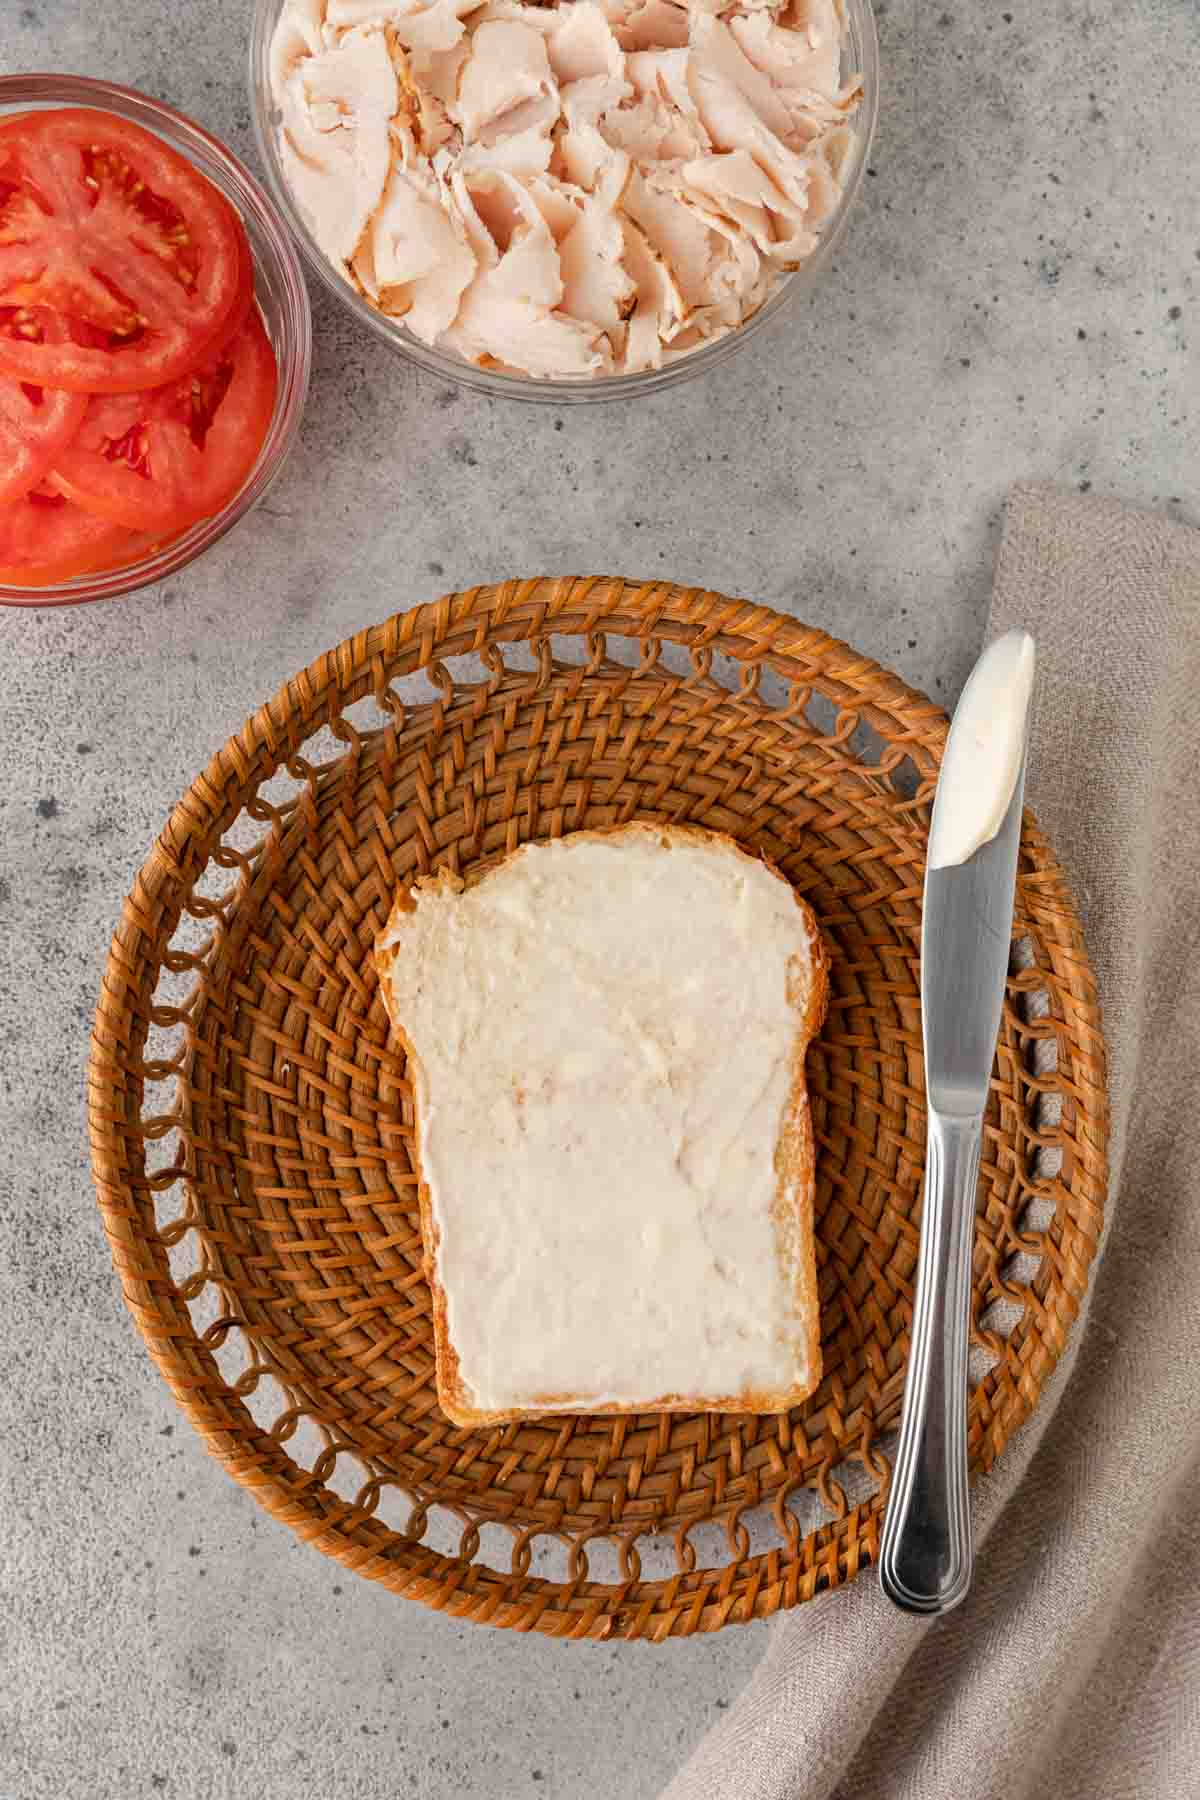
x=966, y=934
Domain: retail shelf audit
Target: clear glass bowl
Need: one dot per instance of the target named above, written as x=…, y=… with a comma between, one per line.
x=861, y=57
x=282, y=301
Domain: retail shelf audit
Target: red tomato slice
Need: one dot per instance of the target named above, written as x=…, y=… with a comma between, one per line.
x=159, y=461
x=44, y=539
x=36, y=423
x=106, y=225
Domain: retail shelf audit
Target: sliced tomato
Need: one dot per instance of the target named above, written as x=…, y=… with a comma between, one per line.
x=159, y=461
x=44, y=539
x=36, y=423
x=107, y=226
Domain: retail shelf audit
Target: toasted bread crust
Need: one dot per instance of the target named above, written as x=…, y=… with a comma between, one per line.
x=795, y=1151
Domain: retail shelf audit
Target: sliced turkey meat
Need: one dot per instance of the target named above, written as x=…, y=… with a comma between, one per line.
x=788, y=58
x=583, y=153
x=660, y=309
x=582, y=45
x=559, y=204
x=510, y=313
x=506, y=73
x=596, y=284
x=418, y=257
x=727, y=90
x=676, y=232
x=663, y=75
x=654, y=25
x=437, y=73
x=297, y=36
x=734, y=184
x=817, y=24
x=336, y=108
x=525, y=154
x=569, y=189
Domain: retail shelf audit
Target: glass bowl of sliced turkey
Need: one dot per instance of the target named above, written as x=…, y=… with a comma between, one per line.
x=576, y=200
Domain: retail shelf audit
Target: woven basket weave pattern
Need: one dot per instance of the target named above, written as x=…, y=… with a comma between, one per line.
x=251, y=1123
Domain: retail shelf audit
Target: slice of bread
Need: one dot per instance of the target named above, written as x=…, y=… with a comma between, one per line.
x=606, y=1037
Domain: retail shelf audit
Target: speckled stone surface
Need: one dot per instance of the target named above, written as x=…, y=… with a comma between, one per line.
x=1019, y=295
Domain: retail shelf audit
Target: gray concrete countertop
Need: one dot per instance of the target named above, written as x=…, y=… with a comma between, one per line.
x=1017, y=297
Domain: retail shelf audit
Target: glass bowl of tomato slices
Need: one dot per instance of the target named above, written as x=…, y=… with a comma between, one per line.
x=155, y=340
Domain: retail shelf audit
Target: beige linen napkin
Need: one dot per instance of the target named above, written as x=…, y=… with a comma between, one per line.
x=1073, y=1669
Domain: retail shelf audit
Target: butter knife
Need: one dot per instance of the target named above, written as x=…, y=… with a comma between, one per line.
x=925, y=1555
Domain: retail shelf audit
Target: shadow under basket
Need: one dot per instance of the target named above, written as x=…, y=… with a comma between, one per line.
x=251, y=1123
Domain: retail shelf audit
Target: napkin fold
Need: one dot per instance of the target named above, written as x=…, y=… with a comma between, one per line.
x=1073, y=1668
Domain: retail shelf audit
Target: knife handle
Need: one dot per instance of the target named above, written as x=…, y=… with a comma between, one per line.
x=925, y=1554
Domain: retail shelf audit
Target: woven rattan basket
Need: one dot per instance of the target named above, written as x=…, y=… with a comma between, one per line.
x=251, y=1122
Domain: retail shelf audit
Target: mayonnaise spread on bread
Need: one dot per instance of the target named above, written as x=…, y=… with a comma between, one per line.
x=983, y=752
x=604, y=1038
